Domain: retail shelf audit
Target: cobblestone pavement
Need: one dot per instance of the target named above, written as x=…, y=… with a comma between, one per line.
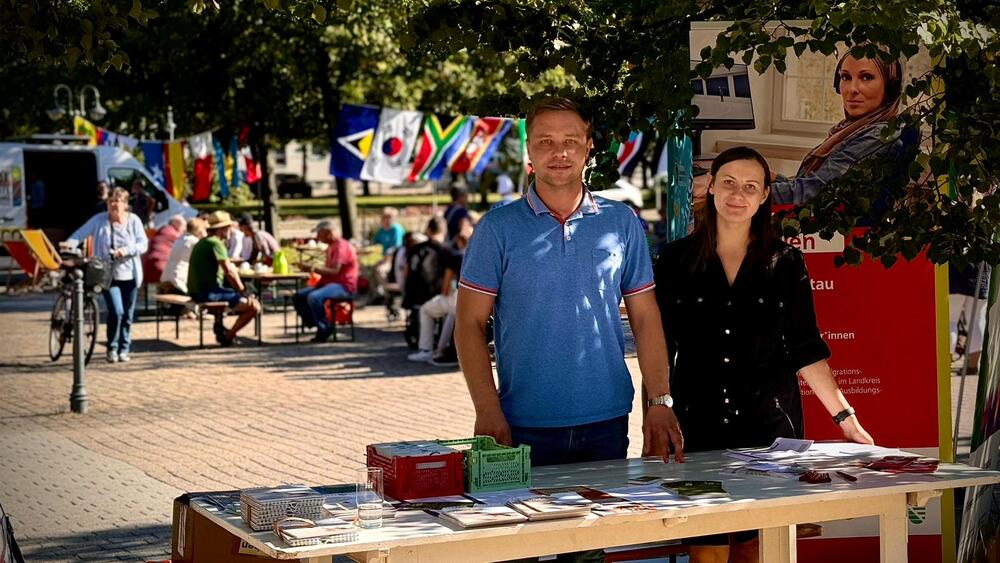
x=99, y=486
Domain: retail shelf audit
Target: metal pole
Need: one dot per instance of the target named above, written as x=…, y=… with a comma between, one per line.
x=78, y=398
x=971, y=328
x=170, y=122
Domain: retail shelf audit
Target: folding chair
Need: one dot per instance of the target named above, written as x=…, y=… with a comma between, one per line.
x=35, y=254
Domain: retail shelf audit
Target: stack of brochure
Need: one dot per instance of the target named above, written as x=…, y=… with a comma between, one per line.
x=553, y=507
x=478, y=516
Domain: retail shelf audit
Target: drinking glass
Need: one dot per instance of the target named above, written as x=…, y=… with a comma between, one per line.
x=370, y=497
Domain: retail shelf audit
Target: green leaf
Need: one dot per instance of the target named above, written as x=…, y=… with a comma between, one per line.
x=319, y=13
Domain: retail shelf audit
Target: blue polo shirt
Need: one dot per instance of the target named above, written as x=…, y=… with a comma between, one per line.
x=559, y=343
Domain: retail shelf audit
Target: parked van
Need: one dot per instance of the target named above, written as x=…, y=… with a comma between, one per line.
x=53, y=187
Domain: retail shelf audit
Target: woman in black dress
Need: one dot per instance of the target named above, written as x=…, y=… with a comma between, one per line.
x=738, y=316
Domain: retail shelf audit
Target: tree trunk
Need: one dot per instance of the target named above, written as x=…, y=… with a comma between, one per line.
x=346, y=204
x=366, y=188
x=347, y=207
x=267, y=194
x=305, y=161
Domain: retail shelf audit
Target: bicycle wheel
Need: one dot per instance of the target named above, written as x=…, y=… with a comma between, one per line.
x=57, y=330
x=91, y=322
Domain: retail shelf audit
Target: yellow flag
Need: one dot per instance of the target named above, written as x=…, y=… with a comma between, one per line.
x=176, y=182
x=83, y=127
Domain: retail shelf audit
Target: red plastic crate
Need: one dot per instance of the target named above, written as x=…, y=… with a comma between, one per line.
x=407, y=478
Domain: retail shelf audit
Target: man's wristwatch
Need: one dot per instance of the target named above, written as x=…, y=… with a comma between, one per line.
x=843, y=415
x=664, y=399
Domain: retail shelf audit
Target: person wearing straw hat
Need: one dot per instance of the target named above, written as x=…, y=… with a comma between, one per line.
x=210, y=268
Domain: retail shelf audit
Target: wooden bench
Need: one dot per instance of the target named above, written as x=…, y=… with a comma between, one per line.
x=163, y=304
x=215, y=308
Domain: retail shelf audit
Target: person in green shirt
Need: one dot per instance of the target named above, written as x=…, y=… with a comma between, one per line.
x=208, y=270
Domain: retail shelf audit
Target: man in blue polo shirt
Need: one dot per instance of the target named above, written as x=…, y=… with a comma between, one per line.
x=552, y=268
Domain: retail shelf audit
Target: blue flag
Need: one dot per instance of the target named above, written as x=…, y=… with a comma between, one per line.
x=220, y=162
x=352, y=140
x=152, y=155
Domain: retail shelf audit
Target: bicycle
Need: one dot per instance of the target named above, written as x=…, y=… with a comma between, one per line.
x=63, y=320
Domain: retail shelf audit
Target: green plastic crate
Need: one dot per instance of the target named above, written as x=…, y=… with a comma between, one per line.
x=493, y=467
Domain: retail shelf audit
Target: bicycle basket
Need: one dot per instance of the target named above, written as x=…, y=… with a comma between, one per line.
x=97, y=275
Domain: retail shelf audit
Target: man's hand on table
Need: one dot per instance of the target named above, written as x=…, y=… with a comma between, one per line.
x=660, y=430
x=853, y=431
x=493, y=423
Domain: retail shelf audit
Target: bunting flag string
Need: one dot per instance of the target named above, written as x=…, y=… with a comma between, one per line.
x=371, y=143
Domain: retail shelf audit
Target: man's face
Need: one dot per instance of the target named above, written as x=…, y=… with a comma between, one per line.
x=325, y=235
x=558, y=146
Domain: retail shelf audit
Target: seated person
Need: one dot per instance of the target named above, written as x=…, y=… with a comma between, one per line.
x=424, y=266
x=209, y=268
x=396, y=279
x=389, y=237
x=259, y=246
x=175, y=273
x=338, y=278
x=160, y=245
x=390, y=234
x=442, y=305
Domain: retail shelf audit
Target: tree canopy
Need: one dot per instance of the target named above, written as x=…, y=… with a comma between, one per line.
x=284, y=66
x=630, y=61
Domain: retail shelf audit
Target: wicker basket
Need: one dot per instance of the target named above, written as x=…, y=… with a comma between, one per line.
x=261, y=508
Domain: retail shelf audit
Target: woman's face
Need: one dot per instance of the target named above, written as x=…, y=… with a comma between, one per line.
x=861, y=86
x=739, y=190
x=117, y=207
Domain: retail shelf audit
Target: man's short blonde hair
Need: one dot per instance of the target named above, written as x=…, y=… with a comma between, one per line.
x=556, y=104
x=390, y=212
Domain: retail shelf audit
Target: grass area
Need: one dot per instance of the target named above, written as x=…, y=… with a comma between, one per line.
x=318, y=207
x=327, y=206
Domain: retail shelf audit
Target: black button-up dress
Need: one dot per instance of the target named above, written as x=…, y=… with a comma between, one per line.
x=734, y=351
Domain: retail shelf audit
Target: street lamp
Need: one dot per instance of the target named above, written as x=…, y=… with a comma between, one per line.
x=96, y=113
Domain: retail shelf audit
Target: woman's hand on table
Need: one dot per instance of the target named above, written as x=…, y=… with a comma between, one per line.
x=493, y=423
x=660, y=431
x=854, y=432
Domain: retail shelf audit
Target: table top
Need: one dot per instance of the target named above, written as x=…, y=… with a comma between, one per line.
x=746, y=493
x=271, y=276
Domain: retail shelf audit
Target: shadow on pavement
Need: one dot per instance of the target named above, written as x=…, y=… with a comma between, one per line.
x=136, y=543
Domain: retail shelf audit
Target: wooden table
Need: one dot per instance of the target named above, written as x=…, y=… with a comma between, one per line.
x=264, y=278
x=769, y=504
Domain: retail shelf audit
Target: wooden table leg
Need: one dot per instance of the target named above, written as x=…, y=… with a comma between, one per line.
x=778, y=544
x=893, y=531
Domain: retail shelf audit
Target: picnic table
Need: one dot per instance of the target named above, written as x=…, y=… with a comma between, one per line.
x=273, y=279
x=772, y=505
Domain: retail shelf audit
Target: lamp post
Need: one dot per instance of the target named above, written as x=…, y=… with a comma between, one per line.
x=97, y=112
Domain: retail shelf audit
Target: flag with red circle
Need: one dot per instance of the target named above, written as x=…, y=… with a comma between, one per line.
x=392, y=147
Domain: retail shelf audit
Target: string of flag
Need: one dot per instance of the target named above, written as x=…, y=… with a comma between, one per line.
x=386, y=145
x=398, y=146
x=228, y=159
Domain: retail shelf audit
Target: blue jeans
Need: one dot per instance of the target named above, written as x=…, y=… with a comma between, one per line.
x=597, y=441
x=309, y=304
x=120, y=302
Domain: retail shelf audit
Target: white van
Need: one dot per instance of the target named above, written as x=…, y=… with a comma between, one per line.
x=54, y=186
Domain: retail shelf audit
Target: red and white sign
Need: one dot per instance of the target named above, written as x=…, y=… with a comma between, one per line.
x=880, y=325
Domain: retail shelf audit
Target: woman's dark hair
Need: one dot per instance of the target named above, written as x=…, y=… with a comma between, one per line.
x=761, y=231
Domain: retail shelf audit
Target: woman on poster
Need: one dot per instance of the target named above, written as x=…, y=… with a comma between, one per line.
x=738, y=316
x=870, y=90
